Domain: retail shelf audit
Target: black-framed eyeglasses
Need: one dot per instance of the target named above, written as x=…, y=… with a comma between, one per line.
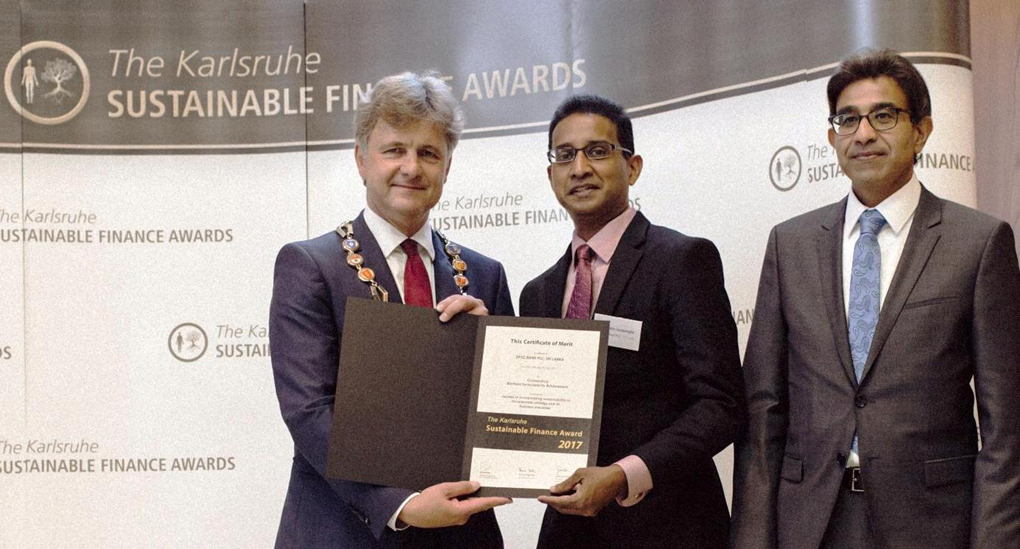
x=597, y=150
x=881, y=119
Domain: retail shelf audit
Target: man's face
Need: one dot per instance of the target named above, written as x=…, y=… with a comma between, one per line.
x=404, y=170
x=878, y=163
x=592, y=191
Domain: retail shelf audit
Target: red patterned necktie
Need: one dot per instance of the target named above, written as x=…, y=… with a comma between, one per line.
x=416, y=281
x=580, y=299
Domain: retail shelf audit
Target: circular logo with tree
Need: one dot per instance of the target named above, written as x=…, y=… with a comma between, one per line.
x=188, y=342
x=47, y=82
x=784, y=168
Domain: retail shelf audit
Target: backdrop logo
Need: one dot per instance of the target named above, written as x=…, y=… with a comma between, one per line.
x=188, y=342
x=47, y=82
x=784, y=168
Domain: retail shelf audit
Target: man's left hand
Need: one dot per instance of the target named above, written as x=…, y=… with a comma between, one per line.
x=454, y=304
x=594, y=488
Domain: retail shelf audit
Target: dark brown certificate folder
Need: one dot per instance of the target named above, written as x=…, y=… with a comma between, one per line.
x=407, y=388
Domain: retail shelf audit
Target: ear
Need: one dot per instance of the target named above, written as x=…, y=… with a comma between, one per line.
x=832, y=138
x=635, y=163
x=922, y=130
x=449, y=162
x=548, y=173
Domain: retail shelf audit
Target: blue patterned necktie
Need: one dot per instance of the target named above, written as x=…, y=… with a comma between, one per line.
x=865, y=285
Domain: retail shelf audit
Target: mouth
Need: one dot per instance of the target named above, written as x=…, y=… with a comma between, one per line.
x=583, y=190
x=410, y=186
x=867, y=155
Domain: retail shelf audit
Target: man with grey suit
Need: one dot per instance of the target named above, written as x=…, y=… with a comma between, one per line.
x=873, y=316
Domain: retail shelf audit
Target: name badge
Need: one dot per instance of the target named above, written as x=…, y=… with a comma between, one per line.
x=624, y=333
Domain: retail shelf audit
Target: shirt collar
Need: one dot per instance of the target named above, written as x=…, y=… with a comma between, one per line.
x=896, y=209
x=604, y=242
x=389, y=237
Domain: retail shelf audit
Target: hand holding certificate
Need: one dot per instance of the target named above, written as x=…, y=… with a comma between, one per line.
x=444, y=504
x=514, y=403
x=588, y=490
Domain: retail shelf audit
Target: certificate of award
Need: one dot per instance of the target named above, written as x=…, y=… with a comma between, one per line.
x=514, y=403
x=531, y=422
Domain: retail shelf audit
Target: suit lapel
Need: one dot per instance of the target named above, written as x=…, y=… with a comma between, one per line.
x=625, y=259
x=924, y=233
x=374, y=260
x=443, y=270
x=830, y=269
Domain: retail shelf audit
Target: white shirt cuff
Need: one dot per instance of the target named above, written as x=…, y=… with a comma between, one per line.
x=398, y=525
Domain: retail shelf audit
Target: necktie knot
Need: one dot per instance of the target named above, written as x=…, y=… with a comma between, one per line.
x=583, y=254
x=410, y=247
x=871, y=222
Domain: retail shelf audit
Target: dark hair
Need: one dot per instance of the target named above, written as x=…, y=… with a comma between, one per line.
x=871, y=63
x=594, y=104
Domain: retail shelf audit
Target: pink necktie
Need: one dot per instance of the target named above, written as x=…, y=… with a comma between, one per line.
x=416, y=281
x=580, y=300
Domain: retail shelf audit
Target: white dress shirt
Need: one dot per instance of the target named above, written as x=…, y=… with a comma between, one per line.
x=898, y=210
x=390, y=238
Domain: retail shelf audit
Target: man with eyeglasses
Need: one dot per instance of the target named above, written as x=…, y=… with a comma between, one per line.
x=873, y=316
x=673, y=395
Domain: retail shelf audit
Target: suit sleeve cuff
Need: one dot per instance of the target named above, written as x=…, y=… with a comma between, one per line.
x=396, y=524
x=639, y=480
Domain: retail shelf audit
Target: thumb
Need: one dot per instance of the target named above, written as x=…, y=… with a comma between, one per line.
x=567, y=484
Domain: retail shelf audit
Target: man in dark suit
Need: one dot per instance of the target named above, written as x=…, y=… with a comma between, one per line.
x=873, y=316
x=673, y=395
x=405, y=137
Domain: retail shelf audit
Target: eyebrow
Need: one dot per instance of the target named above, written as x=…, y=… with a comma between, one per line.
x=561, y=145
x=394, y=143
x=850, y=109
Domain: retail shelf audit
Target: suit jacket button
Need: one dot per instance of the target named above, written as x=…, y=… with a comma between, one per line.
x=860, y=402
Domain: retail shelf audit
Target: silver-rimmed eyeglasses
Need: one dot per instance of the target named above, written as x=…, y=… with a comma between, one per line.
x=597, y=150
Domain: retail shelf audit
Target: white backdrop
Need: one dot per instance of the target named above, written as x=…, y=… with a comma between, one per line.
x=182, y=444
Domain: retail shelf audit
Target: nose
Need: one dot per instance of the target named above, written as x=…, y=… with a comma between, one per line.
x=411, y=165
x=865, y=133
x=580, y=166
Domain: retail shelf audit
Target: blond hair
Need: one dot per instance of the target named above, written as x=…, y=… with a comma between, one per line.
x=407, y=99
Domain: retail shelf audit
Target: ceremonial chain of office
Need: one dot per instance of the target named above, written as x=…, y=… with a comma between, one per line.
x=367, y=275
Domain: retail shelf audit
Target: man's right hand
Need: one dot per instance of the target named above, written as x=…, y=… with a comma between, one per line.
x=437, y=506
